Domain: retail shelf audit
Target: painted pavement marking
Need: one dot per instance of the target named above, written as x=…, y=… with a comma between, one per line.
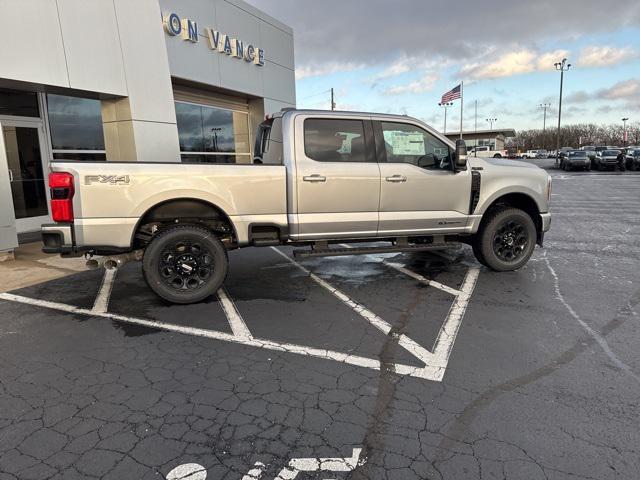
x=101, y=303
x=435, y=361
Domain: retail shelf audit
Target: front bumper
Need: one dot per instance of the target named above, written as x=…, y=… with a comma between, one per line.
x=57, y=238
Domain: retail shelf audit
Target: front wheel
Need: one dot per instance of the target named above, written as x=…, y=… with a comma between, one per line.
x=506, y=239
x=185, y=264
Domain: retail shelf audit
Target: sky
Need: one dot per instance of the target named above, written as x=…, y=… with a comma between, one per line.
x=400, y=56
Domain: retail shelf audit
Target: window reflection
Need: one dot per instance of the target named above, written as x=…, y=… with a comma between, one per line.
x=217, y=135
x=75, y=123
x=19, y=104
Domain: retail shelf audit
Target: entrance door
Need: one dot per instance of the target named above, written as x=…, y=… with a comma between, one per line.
x=23, y=142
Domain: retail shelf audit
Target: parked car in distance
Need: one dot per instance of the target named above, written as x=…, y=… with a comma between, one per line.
x=587, y=147
x=633, y=159
x=576, y=159
x=607, y=159
x=486, y=152
x=535, y=154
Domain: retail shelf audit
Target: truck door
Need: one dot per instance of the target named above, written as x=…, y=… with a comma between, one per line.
x=420, y=193
x=337, y=177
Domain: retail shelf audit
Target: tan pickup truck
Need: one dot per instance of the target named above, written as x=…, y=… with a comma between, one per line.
x=318, y=179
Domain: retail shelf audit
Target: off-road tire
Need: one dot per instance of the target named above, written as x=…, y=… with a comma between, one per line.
x=489, y=240
x=203, y=253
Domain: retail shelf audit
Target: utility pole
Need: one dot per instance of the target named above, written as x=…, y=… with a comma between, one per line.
x=561, y=67
x=333, y=103
x=544, y=125
x=445, y=105
x=491, y=121
x=475, y=132
x=624, y=123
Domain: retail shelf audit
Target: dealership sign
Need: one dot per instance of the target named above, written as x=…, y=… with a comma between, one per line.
x=188, y=30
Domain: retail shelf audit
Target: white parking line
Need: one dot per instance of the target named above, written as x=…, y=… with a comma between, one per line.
x=238, y=326
x=424, y=280
x=101, y=303
x=435, y=362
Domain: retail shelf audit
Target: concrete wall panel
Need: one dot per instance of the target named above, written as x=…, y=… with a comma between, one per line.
x=32, y=48
x=92, y=46
x=279, y=84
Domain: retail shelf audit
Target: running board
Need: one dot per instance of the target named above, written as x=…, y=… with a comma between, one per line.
x=337, y=252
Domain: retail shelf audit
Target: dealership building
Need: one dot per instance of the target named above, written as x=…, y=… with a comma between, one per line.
x=123, y=80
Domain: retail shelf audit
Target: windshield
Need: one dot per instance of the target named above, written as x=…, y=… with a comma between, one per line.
x=577, y=154
x=610, y=153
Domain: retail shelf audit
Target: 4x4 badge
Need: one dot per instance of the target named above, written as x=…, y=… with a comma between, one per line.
x=107, y=179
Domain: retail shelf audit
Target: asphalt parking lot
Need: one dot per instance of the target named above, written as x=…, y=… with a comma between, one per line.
x=406, y=366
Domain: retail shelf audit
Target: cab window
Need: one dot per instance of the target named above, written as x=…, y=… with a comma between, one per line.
x=334, y=140
x=406, y=143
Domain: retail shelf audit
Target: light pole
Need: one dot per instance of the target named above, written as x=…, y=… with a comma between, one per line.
x=624, y=138
x=491, y=121
x=214, y=137
x=544, y=124
x=562, y=67
x=445, y=105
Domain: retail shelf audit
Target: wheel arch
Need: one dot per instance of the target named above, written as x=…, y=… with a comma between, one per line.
x=520, y=201
x=183, y=208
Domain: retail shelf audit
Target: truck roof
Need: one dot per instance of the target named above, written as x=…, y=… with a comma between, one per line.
x=284, y=111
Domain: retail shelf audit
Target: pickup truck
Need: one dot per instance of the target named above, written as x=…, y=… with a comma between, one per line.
x=486, y=152
x=317, y=179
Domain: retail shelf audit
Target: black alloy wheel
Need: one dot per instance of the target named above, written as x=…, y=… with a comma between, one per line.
x=506, y=239
x=185, y=264
x=510, y=240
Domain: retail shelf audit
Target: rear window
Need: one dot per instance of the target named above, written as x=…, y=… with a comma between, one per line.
x=334, y=140
x=268, y=149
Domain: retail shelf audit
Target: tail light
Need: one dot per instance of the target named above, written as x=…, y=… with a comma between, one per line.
x=62, y=190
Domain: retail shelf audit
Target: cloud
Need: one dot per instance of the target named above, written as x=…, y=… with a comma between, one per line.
x=604, y=56
x=626, y=90
x=318, y=70
x=513, y=63
x=425, y=84
x=379, y=32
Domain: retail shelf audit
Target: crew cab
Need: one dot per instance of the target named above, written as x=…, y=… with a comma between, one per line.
x=317, y=179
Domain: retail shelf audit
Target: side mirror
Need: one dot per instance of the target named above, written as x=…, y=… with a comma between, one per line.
x=460, y=155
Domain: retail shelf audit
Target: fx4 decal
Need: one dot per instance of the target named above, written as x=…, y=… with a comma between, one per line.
x=106, y=179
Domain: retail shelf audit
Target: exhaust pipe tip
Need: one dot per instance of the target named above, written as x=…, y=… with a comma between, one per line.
x=93, y=264
x=111, y=264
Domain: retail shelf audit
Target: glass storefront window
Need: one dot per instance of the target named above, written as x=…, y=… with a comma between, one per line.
x=19, y=104
x=212, y=135
x=76, y=128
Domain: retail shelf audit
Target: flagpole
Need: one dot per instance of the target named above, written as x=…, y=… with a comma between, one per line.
x=461, y=106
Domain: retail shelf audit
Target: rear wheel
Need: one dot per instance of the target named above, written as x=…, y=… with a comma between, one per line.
x=185, y=264
x=506, y=239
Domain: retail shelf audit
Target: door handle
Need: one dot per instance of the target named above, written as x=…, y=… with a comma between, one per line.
x=315, y=178
x=10, y=175
x=397, y=179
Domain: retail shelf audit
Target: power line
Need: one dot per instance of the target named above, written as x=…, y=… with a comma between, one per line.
x=315, y=95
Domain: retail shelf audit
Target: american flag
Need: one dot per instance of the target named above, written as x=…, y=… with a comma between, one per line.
x=451, y=95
